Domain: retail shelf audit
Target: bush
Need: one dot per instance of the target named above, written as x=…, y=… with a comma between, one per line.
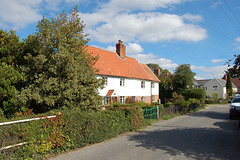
x=197, y=93
x=69, y=130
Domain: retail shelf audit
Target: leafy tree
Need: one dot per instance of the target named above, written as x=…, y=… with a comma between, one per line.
x=229, y=85
x=184, y=78
x=235, y=70
x=11, y=48
x=197, y=93
x=177, y=99
x=153, y=66
x=58, y=71
x=9, y=102
x=165, y=86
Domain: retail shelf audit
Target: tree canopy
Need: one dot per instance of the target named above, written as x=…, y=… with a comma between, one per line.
x=229, y=85
x=58, y=71
x=183, y=78
x=235, y=70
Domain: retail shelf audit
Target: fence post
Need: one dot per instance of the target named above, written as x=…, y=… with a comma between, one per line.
x=158, y=112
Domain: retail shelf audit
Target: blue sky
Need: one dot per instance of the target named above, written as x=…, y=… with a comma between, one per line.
x=202, y=33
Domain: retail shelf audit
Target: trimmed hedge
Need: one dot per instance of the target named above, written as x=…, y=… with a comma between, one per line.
x=69, y=130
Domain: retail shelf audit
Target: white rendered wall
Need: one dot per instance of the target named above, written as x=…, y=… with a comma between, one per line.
x=132, y=87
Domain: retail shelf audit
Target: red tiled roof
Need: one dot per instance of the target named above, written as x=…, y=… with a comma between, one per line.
x=111, y=64
x=150, y=73
x=236, y=82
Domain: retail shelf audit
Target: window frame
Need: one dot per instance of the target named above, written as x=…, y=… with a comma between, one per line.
x=122, y=82
x=122, y=99
x=142, y=84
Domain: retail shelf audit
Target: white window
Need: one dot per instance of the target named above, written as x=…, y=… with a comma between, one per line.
x=214, y=87
x=143, y=99
x=107, y=100
x=105, y=81
x=122, y=99
x=153, y=98
x=122, y=82
x=152, y=85
x=142, y=84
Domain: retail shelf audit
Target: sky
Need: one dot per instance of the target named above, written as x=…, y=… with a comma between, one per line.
x=202, y=33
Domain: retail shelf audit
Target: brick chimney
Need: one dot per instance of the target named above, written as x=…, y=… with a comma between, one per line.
x=157, y=71
x=121, y=49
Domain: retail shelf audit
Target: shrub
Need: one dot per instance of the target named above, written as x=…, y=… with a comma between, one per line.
x=197, y=93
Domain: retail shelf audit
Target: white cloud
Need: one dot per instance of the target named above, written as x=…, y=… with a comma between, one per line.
x=151, y=58
x=19, y=13
x=217, y=60
x=237, y=39
x=148, y=27
x=133, y=48
x=210, y=72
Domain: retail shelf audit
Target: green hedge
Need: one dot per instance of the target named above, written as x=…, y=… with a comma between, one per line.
x=69, y=130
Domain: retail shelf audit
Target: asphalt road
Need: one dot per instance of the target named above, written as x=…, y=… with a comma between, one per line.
x=207, y=134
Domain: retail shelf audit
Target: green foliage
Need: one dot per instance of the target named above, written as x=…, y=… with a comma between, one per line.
x=177, y=99
x=229, y=85
x=184, y=78
x=165, y=86
x=197, y=93
x=9, y=102
x=72, y=128
x=11, y=48
x=153, y=66
x=234, y=71
x=57, y=70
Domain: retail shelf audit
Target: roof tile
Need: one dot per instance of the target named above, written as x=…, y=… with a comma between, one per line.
x=109, y=63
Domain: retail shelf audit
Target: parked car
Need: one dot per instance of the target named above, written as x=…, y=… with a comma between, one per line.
x=234, y=109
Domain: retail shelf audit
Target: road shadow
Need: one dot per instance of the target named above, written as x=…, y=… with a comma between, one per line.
x=211, y=114
x=195, y=143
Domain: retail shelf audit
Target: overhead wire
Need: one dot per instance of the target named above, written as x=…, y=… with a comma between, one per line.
x=231, y=11
x=213, y=29
x=228, y=17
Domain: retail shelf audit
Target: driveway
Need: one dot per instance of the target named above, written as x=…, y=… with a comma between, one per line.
x=207, y=134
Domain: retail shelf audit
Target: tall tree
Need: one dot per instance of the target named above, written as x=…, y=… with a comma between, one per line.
x=235, y=70
x=10, y=52
x=58, y=71
x=183, y=78
x=229, y=85
x=165, y=86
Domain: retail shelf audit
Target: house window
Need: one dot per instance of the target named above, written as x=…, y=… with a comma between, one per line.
x=122, y=82
x=214, y=87
x=105, y=81
x=152, y=85
x=107, y=100
x=153, y=98
x=143, y=99
x=142, y=84
x=122, y=99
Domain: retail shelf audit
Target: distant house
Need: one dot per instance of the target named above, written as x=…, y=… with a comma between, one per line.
x=215, y=85
x=236, y=82
x=124, y=76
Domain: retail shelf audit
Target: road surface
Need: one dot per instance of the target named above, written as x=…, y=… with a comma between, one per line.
x=207, y=134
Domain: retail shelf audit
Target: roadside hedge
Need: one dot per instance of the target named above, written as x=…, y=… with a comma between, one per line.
x=69, y=130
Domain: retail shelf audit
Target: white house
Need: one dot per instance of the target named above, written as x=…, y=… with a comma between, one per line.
x=124, y=76
x=213, y=86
